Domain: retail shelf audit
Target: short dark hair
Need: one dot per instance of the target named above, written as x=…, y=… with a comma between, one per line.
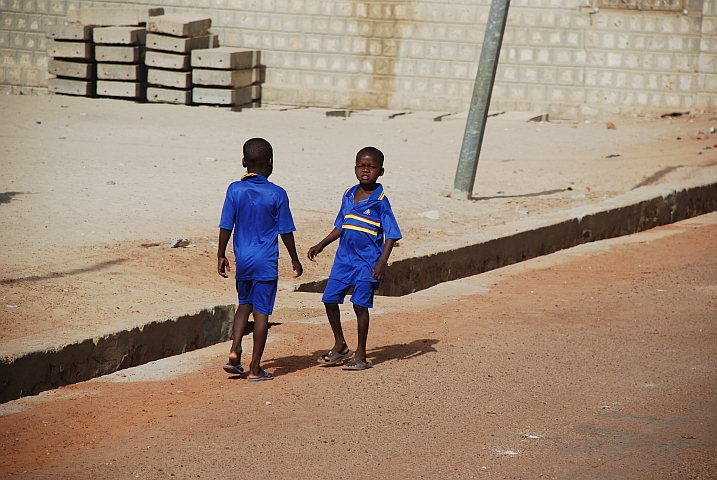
x=373, y=151
x=257, y=151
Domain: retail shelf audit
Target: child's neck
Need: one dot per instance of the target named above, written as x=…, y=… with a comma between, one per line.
x=364, y=191
x=264, y=172
x=369, y=188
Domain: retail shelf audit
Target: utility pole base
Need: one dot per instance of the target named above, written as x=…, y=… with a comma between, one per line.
x=460, y=195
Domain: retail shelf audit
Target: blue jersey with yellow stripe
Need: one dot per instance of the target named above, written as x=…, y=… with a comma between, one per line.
x=364, y=228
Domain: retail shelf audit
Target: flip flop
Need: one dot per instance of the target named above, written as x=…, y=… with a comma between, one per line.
x=265, y=376
x=332, y=358
x=356, y=364
x=234, y=369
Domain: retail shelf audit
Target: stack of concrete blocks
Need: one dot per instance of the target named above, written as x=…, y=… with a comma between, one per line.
x=119, y=38
x=120, y=62
x=71, y=60
x=171, y=40
x=228, y=77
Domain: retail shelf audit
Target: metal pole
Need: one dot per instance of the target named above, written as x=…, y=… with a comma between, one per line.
x=482, y=90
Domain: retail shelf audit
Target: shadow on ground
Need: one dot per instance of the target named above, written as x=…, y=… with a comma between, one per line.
x=76, y=271
x=6, y=197
x=398, y=351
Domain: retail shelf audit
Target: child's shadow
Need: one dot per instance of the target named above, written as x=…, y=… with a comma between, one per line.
x=399, y=351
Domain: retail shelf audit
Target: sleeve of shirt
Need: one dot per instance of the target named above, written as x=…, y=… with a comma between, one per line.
x=228, y=218
x=339, y=218
x=285, y=221
x=338, y=223
x=388, y=222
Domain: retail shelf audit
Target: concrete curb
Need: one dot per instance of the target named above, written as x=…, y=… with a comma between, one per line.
x=34, y=372
x=633, y=212
x=636, y=211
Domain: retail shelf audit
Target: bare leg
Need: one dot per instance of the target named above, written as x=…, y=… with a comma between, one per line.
x=334, y=315
x=241, y=318
x=362, y=320
x=261, y=329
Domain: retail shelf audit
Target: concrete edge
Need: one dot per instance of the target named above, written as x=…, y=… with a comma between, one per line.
x=34, y=372
x=663, y=205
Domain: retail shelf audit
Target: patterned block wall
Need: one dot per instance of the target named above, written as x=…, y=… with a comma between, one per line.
x=565, y=57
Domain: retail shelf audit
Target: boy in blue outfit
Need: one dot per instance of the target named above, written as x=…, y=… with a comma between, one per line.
x=258, y=212
x=366, y=230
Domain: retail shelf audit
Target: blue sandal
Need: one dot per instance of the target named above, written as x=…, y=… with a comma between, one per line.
x=265, y=376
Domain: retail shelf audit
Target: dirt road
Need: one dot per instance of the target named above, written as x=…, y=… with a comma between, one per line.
x=595, y=362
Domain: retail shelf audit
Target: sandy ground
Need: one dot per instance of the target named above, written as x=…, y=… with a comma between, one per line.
x=594, y=362
x=92, y=191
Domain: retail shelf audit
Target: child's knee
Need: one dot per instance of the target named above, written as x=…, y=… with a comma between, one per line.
x=360, y=310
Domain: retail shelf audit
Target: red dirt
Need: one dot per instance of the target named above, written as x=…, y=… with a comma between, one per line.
x=597, y=362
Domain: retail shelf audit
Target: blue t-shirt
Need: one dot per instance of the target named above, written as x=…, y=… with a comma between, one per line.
x=364, y=227
x=258, y=212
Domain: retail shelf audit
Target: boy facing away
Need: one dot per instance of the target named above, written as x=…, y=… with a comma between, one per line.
x=258, y=212
x=366, y=230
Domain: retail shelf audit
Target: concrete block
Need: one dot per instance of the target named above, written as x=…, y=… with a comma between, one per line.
x=119, y=35
x=258, y=74
x=106, y=88
x=246, y=106
x=62, y=49
x=169, y=95
x=222, y=96
x=226, y=58
x=119, y=54
x=110, y=17
x=255, y=92
x=63, y=68
x=180, y=25
x=125, y=72
x=74, y=32
x=170, y=61
x=169, y=78
x=223, y=78
x=168, y=43
x=71, y=87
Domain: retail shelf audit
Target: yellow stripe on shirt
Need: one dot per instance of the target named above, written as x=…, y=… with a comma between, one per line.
x=248, y=175
x=362, y=219
x=360, y=229
x=383, y=194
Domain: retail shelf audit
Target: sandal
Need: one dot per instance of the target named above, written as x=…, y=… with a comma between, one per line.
x=264, y=376
x=234, y=369
x=332, y=358
x=356, y=364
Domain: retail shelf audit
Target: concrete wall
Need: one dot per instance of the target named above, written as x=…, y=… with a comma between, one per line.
x=558, y=56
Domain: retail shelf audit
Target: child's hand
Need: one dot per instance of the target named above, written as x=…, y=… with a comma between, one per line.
x=378, y=271
x=222, y=264
x=314, y=251
x=296, y=265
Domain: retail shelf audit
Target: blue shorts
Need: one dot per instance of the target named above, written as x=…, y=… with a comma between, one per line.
x=260, y=294
x=336, y=290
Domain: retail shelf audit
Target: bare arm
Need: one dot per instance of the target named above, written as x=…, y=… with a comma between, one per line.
x=380, y=268
x=319, y=247
x=288, y=239
x=222, y=262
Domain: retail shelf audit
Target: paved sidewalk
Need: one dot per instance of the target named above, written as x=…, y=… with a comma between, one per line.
x=93, y=190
